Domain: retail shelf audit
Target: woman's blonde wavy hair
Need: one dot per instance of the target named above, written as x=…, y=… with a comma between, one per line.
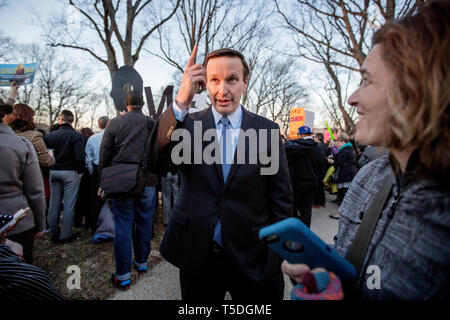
x=417, y=51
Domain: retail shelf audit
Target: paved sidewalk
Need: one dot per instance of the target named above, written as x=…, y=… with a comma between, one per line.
x=162, y=282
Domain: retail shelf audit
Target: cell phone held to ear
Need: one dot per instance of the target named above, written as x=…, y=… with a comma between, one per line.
x=296, y=243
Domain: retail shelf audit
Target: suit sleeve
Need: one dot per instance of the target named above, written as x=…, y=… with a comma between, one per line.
x=160, y=145
x=279, y=191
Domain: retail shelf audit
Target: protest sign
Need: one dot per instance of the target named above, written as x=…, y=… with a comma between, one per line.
x=124, y=75
x=299, y=117
x=129, y=75
x=22, y=74
x=309, y=119
x=296, y=120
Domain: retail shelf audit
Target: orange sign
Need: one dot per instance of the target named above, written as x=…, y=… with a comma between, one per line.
x=296, y=120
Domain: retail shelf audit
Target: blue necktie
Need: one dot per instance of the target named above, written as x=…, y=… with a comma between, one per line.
x=225, y=165
x=225, y=170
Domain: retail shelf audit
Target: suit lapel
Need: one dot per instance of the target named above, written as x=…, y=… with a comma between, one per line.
x=247, y=123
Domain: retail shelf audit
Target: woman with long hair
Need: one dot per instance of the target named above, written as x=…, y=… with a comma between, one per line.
x=403, y=104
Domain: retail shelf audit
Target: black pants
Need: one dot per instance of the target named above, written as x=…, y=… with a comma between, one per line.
x=304, y=198
x=218, y=275
x=319, y=196
x=26, y=239
x=97, y=202
x=340, y=195
x=83, y=204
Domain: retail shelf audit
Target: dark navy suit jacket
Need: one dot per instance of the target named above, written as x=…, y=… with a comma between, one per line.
x=246, y=202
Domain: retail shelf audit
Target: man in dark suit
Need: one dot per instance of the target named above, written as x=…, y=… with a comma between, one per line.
x=213, y=234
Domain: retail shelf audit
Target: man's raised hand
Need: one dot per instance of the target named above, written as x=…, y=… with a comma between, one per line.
x=194, y=75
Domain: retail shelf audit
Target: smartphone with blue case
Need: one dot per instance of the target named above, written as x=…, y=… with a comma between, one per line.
x=296, y=243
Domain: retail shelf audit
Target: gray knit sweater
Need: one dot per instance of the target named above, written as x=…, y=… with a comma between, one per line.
x=411, y=243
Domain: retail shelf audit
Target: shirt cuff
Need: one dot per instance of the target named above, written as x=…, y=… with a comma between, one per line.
x=179, y=114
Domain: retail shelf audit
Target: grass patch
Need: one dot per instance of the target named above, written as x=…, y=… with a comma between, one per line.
x=96, y=262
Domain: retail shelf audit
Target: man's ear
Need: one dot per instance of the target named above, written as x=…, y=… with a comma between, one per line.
x=246, y=80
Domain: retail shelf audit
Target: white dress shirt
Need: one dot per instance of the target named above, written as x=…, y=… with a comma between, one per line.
x=235, y=123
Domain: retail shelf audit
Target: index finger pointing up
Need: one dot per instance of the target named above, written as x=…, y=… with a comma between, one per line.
x=191, y=60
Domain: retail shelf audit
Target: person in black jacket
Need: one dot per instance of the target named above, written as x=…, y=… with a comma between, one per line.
x=345, y=163
x=124, y=143
x=319, y=197
x=306, y=166
x=64, y=176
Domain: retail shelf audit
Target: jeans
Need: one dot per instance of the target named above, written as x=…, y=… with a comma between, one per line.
x=170, y=190
x=64, y=184
x=133, y=219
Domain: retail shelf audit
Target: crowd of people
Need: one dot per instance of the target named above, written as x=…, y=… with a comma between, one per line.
x=213, y=211
x=316, y=167
x=57, y=176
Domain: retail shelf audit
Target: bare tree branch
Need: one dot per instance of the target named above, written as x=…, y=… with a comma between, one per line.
x=80, y=48
x=334, y=33
x=104, y=18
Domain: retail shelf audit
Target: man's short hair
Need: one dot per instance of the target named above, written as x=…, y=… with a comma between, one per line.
x=134, y=98
x=67, y=116
x=319, y=136
x=226, y=52
x=102, y=122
